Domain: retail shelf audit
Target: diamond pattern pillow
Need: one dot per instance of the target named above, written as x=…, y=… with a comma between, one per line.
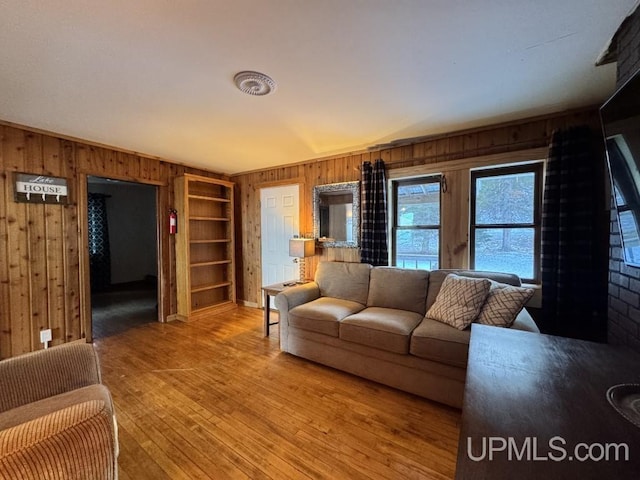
x=503, y=304
x=459, y=300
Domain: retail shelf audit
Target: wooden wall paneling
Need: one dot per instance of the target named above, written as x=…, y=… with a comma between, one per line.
x=455, y=146
x=164, y=241
x=167, y=174
x=429, y=149
x=129, y=165
x=165, y=253
x=7, y=321
x=36, y=247
x=351, y=165
x=17, y=241
x=454, y=239
x=253, y=266
x=240, y=209
x=143, y=168
x=418, y=150
x=489, y=139
x=94, y=159
x=38, y=282
x=442, y=148
x=55, y=272
x=80, y=304
x=470, y=142
x=329, y=172
x=251, y=218
x=110, y=162
x=44, y=275
x=69, y=231
x=5, y=299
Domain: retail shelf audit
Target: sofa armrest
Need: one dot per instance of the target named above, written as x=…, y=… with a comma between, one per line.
x=294, y=296
x=75, y=442
x=45, y=373
x=291, y=298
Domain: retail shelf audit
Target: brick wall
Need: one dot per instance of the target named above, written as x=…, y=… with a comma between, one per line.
x=624, y=281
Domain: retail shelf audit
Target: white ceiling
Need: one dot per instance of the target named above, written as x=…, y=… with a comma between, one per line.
x=156, y=76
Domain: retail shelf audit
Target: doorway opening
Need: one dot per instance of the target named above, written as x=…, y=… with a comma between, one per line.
x=123, y=255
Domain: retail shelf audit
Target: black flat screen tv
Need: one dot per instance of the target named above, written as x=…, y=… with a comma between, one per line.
x=620, y=117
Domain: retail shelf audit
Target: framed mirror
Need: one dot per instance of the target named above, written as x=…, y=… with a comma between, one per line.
x=336, y=214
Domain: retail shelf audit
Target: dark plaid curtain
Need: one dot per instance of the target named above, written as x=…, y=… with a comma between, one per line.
x=573, y=293
x=374, y=214
x=99, y=249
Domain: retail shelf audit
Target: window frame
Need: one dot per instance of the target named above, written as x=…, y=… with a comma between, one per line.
x=537, y=168
x=396, y=183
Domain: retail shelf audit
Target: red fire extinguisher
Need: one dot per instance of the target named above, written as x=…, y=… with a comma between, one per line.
x=173, y=221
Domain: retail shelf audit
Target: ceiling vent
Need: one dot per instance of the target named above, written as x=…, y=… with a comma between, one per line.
x=254, y=83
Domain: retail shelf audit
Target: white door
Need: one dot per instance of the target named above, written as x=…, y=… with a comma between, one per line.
x=280, y=221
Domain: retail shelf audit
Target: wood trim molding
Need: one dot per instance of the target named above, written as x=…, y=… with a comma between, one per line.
x=85, y=275
x=278, y=183
x=506, y=158
x=123, y=178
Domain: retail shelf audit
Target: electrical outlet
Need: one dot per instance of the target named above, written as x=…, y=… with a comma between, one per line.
x=45, y=335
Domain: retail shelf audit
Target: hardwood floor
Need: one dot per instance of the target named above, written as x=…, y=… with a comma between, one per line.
x=213, y=399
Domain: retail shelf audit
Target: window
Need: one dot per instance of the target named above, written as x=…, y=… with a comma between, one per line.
x=626, y=188
x=505, y=220
x=416, y=223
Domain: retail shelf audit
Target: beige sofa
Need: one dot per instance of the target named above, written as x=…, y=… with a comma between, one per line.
x=56, y=418
x=370, y=321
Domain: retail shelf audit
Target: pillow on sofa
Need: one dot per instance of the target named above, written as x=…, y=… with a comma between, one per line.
x=459, y=300
x=503, y=304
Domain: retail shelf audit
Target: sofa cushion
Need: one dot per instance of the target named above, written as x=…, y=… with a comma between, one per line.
x=460, y=300
x=43, y=407
x=503, y=304
x=348, y=281
x=323, y=314
x=439, y=342
x=398, y=288
x=436, y=277
x=383, y=328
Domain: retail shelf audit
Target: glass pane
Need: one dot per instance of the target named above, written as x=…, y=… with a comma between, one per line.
x=505, y=199
x=507, y=250
x=630, y=240
x=417, y=249
x=619, y=198
x=418, y=204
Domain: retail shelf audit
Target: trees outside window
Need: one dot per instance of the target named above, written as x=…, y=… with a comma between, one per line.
x=505, y=224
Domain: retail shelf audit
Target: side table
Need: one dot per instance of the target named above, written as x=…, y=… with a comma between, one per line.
x=267, y=291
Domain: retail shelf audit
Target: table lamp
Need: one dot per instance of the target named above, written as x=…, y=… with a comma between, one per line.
x=302, y=248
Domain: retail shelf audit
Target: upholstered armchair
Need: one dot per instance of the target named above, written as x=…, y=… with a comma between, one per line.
x=56, y=418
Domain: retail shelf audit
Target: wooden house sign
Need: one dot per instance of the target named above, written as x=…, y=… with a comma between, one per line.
x=40, y=189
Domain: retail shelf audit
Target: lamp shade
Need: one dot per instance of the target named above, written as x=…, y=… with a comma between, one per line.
x=302, y=247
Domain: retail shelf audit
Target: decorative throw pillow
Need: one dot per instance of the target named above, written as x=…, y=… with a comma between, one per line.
x=503, y=304
x=459, y=300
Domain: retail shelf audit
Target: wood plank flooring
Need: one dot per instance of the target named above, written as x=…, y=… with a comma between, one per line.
x=213, y=399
